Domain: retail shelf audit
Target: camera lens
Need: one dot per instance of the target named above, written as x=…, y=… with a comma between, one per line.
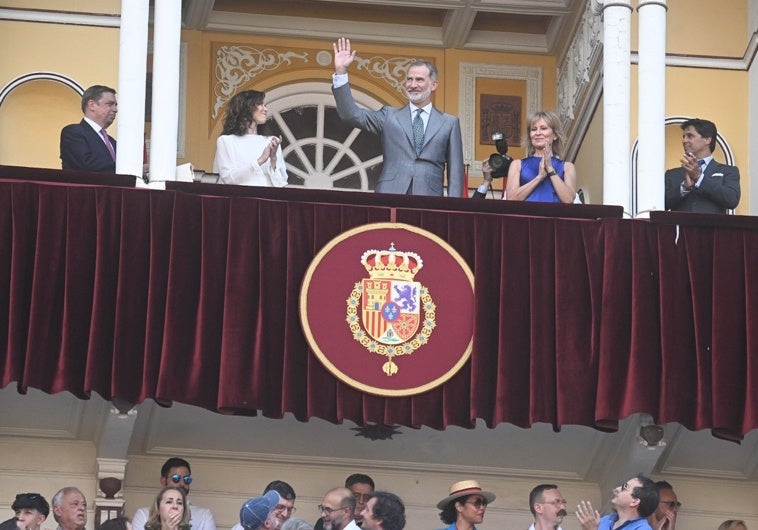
x=499, y=164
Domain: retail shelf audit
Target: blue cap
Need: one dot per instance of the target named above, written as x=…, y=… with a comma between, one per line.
x=255, y=511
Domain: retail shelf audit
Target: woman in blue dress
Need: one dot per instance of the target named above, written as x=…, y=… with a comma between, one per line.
x=542, y=176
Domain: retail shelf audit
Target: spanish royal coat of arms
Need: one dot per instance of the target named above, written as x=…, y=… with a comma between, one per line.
x=389, y=313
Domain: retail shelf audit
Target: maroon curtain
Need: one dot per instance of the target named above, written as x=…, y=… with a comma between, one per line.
x=191, y=295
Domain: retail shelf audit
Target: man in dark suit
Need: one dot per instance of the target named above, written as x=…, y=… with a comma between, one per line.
x=418, y=141
x=86, y=146
x=701, y=185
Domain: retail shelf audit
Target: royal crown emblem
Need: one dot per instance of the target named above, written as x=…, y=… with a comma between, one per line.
x=392, y=306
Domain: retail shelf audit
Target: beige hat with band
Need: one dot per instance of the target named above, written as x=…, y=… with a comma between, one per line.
x=464, y=488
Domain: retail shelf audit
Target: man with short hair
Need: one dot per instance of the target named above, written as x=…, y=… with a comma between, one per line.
x=419, y=142
x=664, y=517
x=176, y=472
x=362, y=486
x=70, y=509
x=258, y=512
x=285, y=506
x=633, y=501
x=547, y=506
x=337, y=510
x=31, y=510
x=701, y=184
x=383, y=511
x=86, y=146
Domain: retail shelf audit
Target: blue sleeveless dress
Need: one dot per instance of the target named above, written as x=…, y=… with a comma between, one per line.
x=530, y=167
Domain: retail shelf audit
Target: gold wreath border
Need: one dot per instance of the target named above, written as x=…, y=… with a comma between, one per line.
x=405, y=348
x=386, y=392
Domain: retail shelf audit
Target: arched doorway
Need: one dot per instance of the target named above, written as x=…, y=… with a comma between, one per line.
x=320, y=151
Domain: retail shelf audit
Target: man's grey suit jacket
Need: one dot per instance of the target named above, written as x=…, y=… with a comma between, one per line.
x=718, y=191
x=402, y=169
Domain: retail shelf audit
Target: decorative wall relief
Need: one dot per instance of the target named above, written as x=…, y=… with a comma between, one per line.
x=500, y=114
x=469, y=72
x=236, y=65
x=574, y=72
x=393, y=70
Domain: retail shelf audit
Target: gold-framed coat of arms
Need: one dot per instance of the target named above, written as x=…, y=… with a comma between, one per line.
x=389, y=337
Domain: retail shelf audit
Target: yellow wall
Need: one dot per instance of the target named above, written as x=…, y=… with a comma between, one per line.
x=589, y=159
x=202, y=130
x=104, y=7
x=719, y=95
x=711, y=93
x=32, y=116
x=710, y=28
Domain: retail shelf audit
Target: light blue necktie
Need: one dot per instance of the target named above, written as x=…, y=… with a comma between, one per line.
x=418, y=131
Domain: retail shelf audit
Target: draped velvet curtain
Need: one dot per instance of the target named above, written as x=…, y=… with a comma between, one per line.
x=191, y=295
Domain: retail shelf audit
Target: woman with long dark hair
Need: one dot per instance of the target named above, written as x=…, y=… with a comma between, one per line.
x=243, y=156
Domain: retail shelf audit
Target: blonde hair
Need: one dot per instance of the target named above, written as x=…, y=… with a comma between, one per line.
x=154, y=519
x=554, y=122
x=732, y=524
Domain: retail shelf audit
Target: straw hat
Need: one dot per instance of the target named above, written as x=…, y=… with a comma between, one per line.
x=463, y=488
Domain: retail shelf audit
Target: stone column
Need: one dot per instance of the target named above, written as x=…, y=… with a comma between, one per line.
x=651, y=160
x=165, y=110
x=616, y=106
x=132, y=67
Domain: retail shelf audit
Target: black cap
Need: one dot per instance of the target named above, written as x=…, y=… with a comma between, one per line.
x=31, y=500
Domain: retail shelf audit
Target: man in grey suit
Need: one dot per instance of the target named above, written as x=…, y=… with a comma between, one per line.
x=418, y=141
x=701, y=184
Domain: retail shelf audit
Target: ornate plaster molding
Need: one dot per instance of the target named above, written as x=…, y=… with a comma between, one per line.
x=469, y=72
x=392, y=70
x=236, y=65
x=574, y=72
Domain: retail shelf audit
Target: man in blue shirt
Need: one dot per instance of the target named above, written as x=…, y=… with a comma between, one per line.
x=632, y=502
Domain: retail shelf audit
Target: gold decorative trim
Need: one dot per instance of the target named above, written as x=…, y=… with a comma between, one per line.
x=308, y=332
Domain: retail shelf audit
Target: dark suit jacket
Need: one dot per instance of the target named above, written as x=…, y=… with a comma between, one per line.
x=718, y=191
x=442, y=148
x=83, y=149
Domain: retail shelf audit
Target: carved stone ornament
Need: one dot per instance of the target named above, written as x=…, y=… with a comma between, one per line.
x=236, y=65
x=469, y=72
x=574, y=70
x=393, y=70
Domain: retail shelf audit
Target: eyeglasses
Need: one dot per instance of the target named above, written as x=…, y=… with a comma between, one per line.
x=362, y=497
x=282, y=508
x=478, y=503
x=177, y=478
x=672, y=504
x=328, y=511
x=556, y=502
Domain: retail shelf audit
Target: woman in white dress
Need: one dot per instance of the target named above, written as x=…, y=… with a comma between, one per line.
x=242, y=155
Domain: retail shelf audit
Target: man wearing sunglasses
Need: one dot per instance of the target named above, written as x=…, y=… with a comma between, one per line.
x=664, y=517
x=633, y=501
x=176, y=472
x=547, y=506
